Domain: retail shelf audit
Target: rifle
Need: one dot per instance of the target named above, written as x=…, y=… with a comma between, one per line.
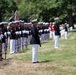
x=5, y=50
x=40, y=44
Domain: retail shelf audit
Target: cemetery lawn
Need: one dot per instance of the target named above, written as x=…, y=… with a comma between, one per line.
x=61, y=61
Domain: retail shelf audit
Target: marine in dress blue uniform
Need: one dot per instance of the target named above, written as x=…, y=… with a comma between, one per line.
x=57, y=32
x=66, y=31
x=35, y=41
x=12, y=38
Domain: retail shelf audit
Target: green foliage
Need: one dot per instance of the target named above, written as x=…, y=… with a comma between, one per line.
x=6, y=8
x=3, y=6
x=11, y=9
x=44, y=10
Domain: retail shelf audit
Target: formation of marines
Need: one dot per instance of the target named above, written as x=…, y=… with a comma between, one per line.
x=17, y=35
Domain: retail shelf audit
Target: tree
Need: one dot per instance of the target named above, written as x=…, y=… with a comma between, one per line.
x=6, y=8
x=69, y=12
x=47, y=10
x=3, y=6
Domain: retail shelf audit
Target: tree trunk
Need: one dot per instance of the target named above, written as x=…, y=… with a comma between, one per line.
x=70, y=17
x=0, y=18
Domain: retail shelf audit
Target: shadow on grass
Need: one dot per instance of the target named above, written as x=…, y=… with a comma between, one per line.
x=73, y=31
x=24, y=50
x=44, y=42
x=46, y=61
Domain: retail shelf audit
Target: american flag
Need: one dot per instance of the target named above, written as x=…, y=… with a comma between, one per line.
x=16, y=16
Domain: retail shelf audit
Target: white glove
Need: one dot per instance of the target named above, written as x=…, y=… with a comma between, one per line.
x=8, y=33
x=17, y=32
x=1, y=36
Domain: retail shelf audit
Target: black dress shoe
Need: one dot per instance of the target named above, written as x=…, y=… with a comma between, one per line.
x=2, y=58
x=36, y=62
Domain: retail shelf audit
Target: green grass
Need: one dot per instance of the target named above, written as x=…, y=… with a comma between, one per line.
x=61, y=61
